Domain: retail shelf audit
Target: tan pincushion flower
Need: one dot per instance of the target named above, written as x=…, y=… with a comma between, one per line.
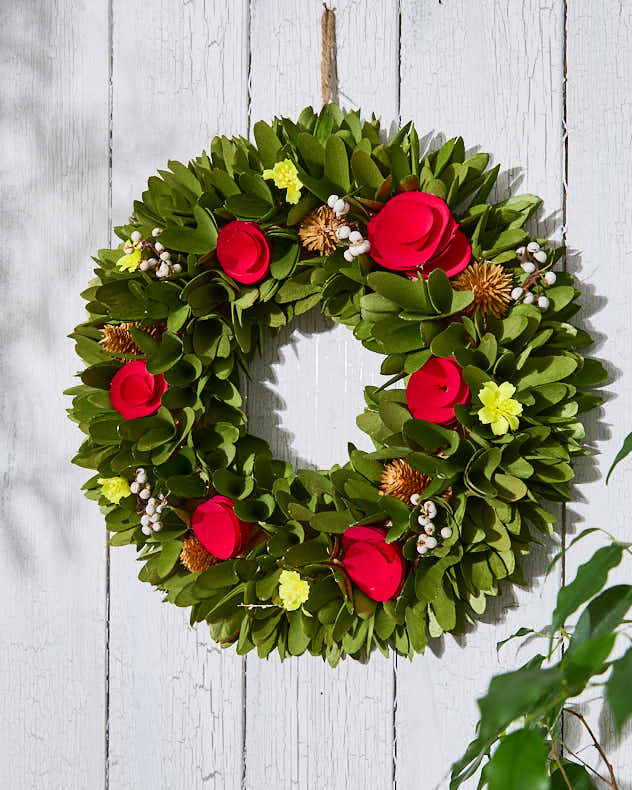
x=491, y=285
x=194, y=556
x=400, y=480
x=117, y=339
x=318, y=230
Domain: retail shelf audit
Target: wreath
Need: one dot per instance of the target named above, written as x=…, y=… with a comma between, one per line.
x=474, y=430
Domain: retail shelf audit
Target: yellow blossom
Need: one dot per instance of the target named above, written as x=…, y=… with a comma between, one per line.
x=130, y=261
x=293, y=591
x=114, y=488
x=285, y=176
x=499, y=410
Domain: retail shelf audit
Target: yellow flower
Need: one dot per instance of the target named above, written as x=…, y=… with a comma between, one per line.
x=293, y=591
x=114, y=488
x=130, y=261
x=285, y=176
x=499, y=410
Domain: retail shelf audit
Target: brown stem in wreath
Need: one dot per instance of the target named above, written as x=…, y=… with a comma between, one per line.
x=613, y=781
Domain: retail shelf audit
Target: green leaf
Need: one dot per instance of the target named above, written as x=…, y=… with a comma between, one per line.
x=543, y=370
x=412, y=295
x=337, y=164
x=626, y=449
x=365, y=171
x=167, y=353
x=618, y=690
x=308, y=553
x=268, y=144
x=200, y=240
x=440, y=290
x=431, y=437
x=332, y=521
x=168, y=557
x=603, y=614
x=576, y=774
x=186, y=486
x=590, y=578
x=520, y=762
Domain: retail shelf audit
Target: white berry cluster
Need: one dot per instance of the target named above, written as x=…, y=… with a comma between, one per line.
x=160, y=261
x=358, y=245
x=152, y=506
x=532, y=257
x=427, y=540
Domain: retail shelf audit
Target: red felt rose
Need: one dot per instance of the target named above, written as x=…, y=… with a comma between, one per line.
x=415, y=232
x=435, y=389
x=243, y=252
x=134, y=392
x=218, y=529
x=376, y=567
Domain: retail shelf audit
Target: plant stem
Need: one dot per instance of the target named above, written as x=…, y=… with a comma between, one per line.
x=557, y=759
x=613, y=782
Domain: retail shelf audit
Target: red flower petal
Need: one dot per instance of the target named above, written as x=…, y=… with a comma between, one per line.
x=376, y=567
x=243, y=251
x=134, y=392
x=218, y=529
x=435, y=389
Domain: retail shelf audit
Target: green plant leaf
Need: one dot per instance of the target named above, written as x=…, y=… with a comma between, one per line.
x=626, y=449
x=590, y=578
x=520, y=762
x=618, y=690
x=337, y=164
x=576, y=774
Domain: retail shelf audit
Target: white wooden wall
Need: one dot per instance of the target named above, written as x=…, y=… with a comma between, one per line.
x=101, y=685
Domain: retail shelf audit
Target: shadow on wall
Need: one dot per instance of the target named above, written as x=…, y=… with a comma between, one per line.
x=54, y=202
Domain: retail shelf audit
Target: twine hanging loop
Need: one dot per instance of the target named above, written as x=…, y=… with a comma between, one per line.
x=328, y=66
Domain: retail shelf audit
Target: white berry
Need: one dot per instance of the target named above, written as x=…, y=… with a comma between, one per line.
x=446, y=533
x=533, y=246
x=165, y=256
x=156, y=232
x=355, y=236
x=144, y=266
x=424, y=521
x=529, y=298
x=160, y=508
x=540, y=256
x=145, y=493
x=141, y=476
x=415, y=499
x=128, y=249
x=146, y=530
x=157, y=526
x=355, y=249
x=348, y=255
x=136, y=236
x=430, y=508
x=164, y=270
x=422, y=548
x=145, y=520
x=516, y=293
x=343, y=232
x=134, y=488
x=176, y=268
x=154, y=518
x=332, y=200
x=431, y=543
x=543, y=302
x=339, y=206
x=520, y=251
x=429, y=529
x=159, y=247
x=550, y=278
x=528, y=267
x=366, y=246
x=153, y=262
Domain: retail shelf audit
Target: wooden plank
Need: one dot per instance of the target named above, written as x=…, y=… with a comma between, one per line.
x=54, y=205
x=308, y=725
x=492, y=73
x=599, y=115
x=180, y=76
